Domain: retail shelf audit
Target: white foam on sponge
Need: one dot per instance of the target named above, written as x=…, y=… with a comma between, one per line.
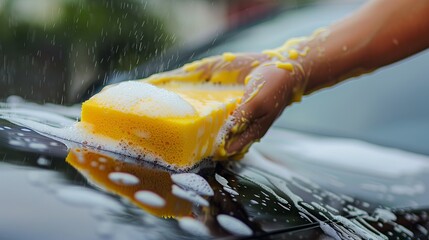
x=224, y=130
x=79, y=134
x=144, y=99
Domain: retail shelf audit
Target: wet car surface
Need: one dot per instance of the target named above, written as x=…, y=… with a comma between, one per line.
x=292, y=185
x=54, y=188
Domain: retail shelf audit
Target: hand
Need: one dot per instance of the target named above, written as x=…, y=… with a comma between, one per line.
x=276, y=78
x=270, y=83
x=228, y=68
x=269, y=91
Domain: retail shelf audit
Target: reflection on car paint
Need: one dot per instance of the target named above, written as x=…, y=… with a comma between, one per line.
x=119, y=178
x=156, y=181
x=210, y=199
x=42, y=161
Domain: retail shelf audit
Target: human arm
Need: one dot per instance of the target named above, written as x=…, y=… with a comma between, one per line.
x=379, y=33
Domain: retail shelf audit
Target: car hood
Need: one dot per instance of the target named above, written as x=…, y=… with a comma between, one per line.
x=291, y=184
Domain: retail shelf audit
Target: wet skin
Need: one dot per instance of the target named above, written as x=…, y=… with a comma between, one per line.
x=374, y=36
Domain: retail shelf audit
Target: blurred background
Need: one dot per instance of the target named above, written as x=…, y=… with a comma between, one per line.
x=55, y=50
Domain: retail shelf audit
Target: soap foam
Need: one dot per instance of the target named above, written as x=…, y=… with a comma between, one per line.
x=193, y=182
x=221, y=135
x=61, y=128
x=123, y=178
x=189, y=195
x=193, y=227
x=233, y=225
x=78, y=134
x=144, y=99
x=149, y=198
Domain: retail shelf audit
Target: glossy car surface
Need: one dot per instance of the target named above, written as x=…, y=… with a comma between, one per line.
x=292, y=185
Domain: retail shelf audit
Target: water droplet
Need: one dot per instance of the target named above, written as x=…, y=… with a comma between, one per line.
x=193, y=226
x=253, y=202
x=84, y=197
x=422, y=229
x=149, y=198
x=221, y=180
x=230, y=191
x=42, y=161
x=328, y=230
x=384, y=215
x=38, y=146
x=16, y=143
x=122, y=178
x=194, y=182
x=233, y=225
x=189, y=195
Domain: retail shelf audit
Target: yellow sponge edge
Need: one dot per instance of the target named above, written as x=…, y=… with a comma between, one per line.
x=178, y=141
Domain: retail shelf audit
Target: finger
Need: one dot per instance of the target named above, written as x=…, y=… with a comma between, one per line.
x=240, y=143
x=268, y=92
x=192, y=72
x=228, y=68
x=235, y=67
x=165, y=76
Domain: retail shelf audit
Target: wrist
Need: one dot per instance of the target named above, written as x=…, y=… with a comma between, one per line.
x=290, y=57
x=335, y=55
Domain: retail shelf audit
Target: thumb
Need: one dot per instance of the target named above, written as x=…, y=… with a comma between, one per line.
x=196, y=71
x=268, y=91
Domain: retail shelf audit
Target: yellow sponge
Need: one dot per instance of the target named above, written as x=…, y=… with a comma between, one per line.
x=177, y=123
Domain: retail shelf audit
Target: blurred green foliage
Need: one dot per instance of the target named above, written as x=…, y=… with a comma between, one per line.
x=37, y=36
